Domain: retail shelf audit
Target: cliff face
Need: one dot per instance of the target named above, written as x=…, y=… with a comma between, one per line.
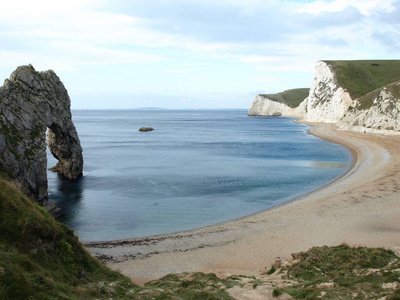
x=263, y=106
x=378, y=110
x=328, y=101
x=30, y=103
x=287, y=103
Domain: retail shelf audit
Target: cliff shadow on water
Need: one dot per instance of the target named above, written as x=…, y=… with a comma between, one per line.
x=67, y=194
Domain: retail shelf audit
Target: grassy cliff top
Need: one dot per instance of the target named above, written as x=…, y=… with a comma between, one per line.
x=360, y=77
x=291, y=98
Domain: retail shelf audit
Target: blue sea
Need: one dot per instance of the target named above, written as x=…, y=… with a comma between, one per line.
x=197, y=168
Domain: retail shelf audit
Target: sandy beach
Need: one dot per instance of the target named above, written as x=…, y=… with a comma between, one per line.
x=360, y=208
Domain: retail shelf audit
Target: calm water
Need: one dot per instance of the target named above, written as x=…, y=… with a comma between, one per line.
x=196, y=168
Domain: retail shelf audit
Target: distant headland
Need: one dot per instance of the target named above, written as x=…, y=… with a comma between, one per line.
x=361, y=95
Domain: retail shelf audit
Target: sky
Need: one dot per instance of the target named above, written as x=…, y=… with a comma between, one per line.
x=182, y=54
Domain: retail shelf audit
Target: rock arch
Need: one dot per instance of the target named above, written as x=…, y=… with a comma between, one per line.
x=30, y=103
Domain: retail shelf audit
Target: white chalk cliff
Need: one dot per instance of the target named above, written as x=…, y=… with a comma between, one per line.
x=329, y=102
x=263, y=106
x=288, y=103
x=376, y=111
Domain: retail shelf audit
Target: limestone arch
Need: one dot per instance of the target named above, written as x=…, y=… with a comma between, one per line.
x=31, y=102
x=66, y=149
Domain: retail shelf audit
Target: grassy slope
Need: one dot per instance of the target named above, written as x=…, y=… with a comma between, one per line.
x=42, y=259
x=291, y=98
x=360, y=77
x=343, y=272
x=367, y=101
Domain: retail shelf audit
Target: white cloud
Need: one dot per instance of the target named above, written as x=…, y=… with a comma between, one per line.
x=218, y=42
x=42, y=8
x=265, y=79
x=82, y=30
x=257, y=59
x=176, y=70
x=366, y=7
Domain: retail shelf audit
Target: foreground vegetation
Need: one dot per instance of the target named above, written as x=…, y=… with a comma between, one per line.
x=340, y=272
x=291, y=98
x=42, y=259
x=344, y=273
x=360, y=77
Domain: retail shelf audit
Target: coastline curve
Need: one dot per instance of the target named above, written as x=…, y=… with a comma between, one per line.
x=242, y=246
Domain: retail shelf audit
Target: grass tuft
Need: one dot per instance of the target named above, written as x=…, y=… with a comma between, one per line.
x=343, y=271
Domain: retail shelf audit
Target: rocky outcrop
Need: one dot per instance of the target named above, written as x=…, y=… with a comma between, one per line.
x=378, y=110
x=328, y=101
x=32, y=103
x=145, y=129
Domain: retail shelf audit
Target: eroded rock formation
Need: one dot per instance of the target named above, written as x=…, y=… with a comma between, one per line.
x=32, y=103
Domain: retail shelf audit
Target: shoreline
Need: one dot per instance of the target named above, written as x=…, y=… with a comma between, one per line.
x=249, y=244
x=353, y=154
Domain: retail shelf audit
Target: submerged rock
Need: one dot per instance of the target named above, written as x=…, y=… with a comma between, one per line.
x=146, y=129
x=32, y=103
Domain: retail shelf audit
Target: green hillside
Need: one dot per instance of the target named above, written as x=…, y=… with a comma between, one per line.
x=360, y=77
x=42, y=259
x=291, y=98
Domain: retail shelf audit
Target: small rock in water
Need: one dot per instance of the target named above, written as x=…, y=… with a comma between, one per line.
x=146, y=129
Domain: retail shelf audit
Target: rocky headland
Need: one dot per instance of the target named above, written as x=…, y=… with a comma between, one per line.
x=285, y=103
x=355, y=95
x=31, y=104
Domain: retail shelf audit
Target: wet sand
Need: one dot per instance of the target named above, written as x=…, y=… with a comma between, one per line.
x=360, y=208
